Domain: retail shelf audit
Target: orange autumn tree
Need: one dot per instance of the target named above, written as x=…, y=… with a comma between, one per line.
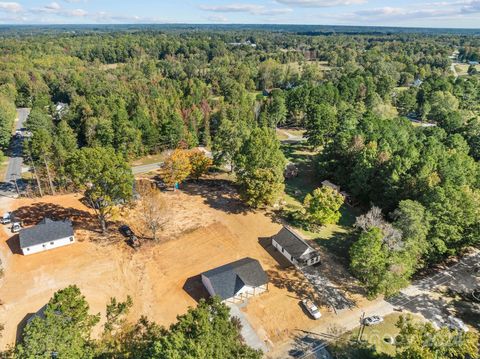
x=176, y=168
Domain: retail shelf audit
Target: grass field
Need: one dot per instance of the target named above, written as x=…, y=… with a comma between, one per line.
x=462, y=69
x=378, y=340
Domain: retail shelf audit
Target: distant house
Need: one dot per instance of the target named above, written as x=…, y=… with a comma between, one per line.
x=294, y=248
x=417, y=83
x=236, y=281
x=331, y=185
x=48, y=234
x=345, y=195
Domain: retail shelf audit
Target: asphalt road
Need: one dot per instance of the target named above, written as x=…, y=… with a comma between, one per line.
x=15, y=162
x=146, y=168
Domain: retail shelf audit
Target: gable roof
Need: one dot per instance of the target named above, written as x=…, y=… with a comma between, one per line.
x=47, y=230
x=292, y=242
x=228, y=279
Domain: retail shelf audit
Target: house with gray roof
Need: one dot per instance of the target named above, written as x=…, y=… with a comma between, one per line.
x=236, y=281
x=295, y=248
x=46, y=235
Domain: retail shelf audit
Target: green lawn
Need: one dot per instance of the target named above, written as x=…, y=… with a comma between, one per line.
x=373, y=339
x=333, y=237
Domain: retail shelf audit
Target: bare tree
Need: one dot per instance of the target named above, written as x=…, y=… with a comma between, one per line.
x=152, y=208
x=392, y=236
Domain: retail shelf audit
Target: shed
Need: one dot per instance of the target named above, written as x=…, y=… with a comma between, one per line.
x=48, y=234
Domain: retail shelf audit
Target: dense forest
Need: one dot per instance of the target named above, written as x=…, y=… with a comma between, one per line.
x=392, y=124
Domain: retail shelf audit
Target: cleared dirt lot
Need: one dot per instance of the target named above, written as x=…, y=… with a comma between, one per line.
x=208, y=228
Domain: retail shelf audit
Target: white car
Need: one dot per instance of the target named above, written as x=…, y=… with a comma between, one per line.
x=16, y=227
x=373, y=320
x=6, y=218
x=311, y=308
x=456, y=324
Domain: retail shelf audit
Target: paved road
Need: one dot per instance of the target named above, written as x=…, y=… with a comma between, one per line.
x=15, y=162
x=420, y=297
x=146, y=168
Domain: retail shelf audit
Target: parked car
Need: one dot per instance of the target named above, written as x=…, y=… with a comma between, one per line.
x=126, y=231
x=456, y=324
x=6, y=218
x=16, y=227
x=133, y=242
x=373, y=320
x=311, y=308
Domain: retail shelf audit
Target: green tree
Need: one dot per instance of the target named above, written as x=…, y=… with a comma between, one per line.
x=423, y=341
x=104, y=176
x=63, y=330
x=323, y=206
x=260, y=166
x=368, y=260
x=321, y=123
x=205, y=332
x=64, y=144
x=7, y=117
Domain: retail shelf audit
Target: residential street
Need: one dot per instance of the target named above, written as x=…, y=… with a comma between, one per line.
x=15, y=162
x=146, y=168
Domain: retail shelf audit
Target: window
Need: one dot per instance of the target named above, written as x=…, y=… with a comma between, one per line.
x=52, y=243
x=28, y=249
x=44, y=245
x=71, y=239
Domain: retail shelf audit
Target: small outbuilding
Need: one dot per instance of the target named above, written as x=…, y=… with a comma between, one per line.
x=294, y=248
x=48, y=234
x=236, y=281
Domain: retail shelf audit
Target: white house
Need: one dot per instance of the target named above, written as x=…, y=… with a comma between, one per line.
x=236, y=281
x=294, y=248
x=48, y=234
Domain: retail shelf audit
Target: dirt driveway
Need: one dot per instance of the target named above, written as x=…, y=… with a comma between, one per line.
x=208, y=228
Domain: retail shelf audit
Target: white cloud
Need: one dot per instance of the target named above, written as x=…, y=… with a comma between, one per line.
x=53, y=6
x=245, y=8
x=320, y=3
x=14, y=7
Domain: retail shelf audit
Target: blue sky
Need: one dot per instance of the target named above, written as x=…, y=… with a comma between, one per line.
x=423, y=13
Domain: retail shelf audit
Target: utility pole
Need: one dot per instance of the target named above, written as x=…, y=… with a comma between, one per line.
x=362, y=328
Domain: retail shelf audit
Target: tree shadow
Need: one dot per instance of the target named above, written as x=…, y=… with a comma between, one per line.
x=294, y=282
x=34, y=213
x=309, y=346
x=218, y=194
x=195, y=288
x=21, y=326
x=338, y=244
x=433, y=309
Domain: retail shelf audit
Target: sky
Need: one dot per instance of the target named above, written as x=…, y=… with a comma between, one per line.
x=408, y=13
